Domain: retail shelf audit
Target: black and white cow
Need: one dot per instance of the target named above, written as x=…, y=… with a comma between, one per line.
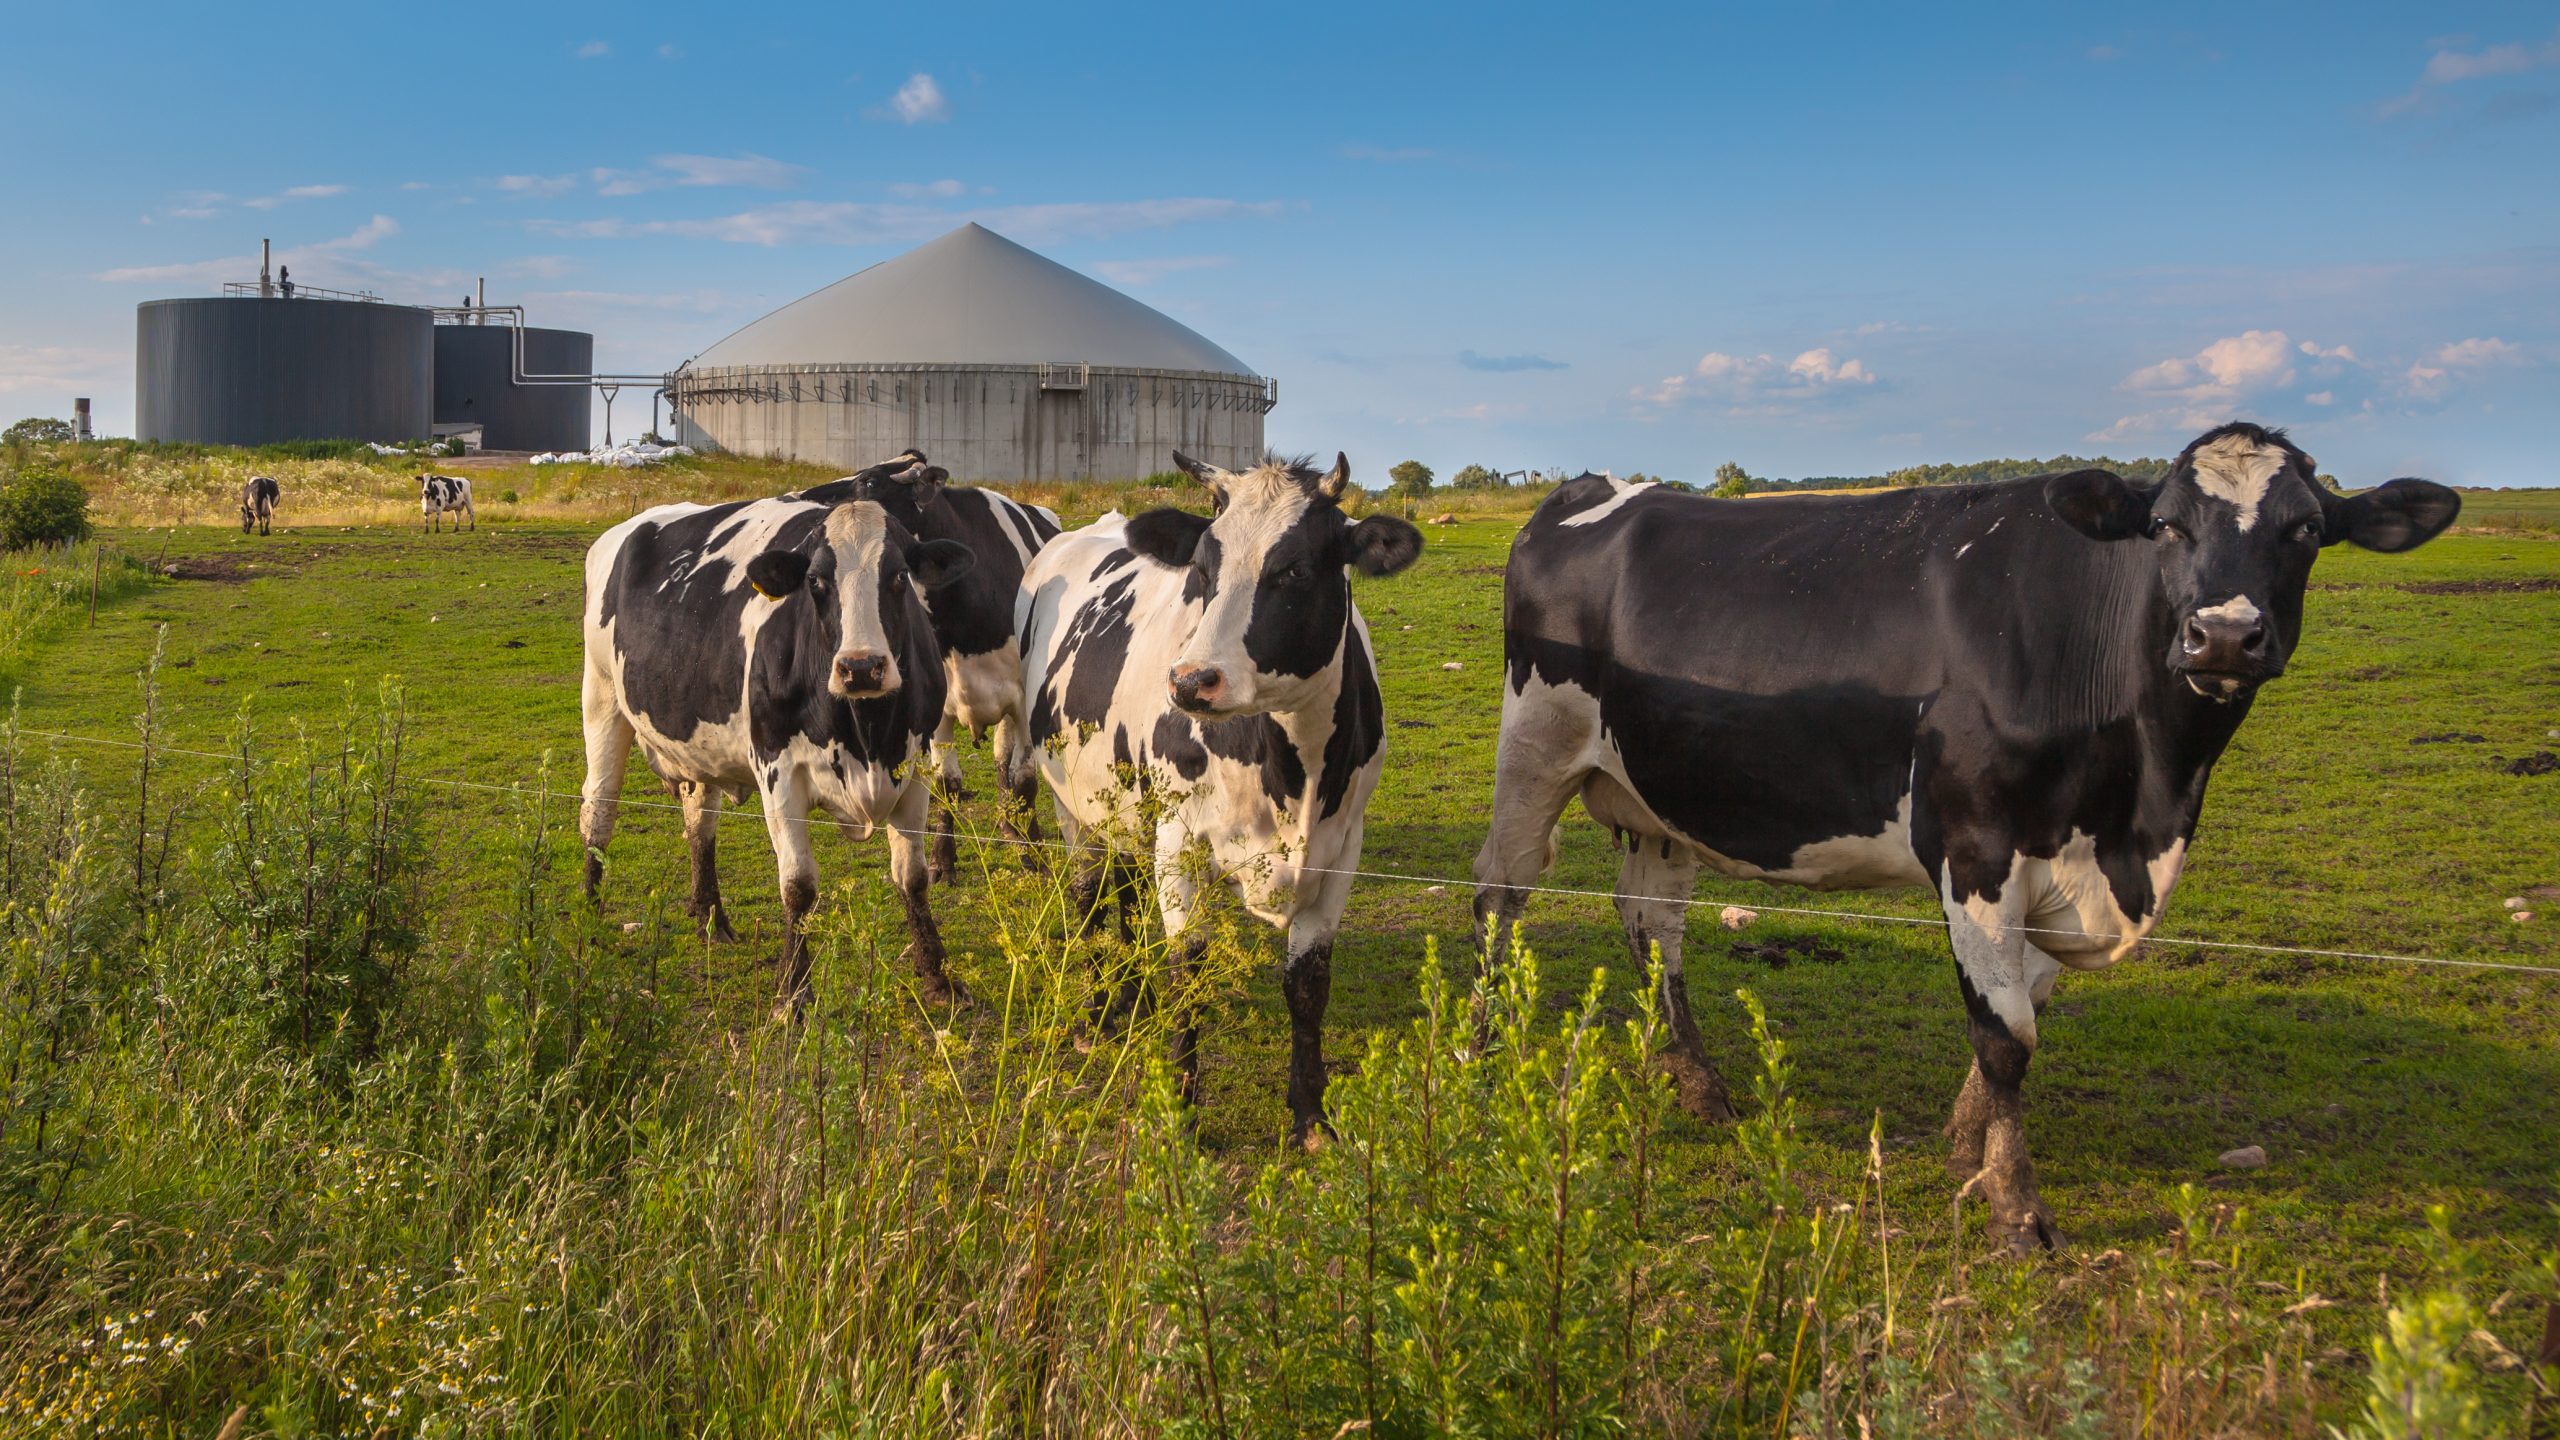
x=1222, y=662
x=973, y=618
x=2013, y=693
x=258, y=504
x=441, y=495
x=780, y=645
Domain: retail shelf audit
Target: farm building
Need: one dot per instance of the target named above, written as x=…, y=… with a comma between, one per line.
x=998, y=362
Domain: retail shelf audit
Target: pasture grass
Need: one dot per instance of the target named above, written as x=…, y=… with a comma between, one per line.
x=578, y=1157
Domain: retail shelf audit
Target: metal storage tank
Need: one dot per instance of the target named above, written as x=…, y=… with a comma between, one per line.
x=476, y=385
x=999, y=363
x=244, y=370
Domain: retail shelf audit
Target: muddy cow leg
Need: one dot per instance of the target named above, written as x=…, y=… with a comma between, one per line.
x=702, y=843
x=2002, y=977
x=1654, y=884
x=908, y=871
x=786, y=822
x=944, y=864
x=609, y=736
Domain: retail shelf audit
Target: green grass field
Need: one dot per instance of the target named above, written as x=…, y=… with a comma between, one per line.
x=2342, y=819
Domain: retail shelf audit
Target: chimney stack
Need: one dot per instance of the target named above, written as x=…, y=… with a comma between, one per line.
x=80, y=418
x=266, y=285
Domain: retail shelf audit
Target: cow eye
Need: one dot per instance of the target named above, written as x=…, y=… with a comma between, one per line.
x=1298, y=573
x=2165, y=529
x=2308, y=529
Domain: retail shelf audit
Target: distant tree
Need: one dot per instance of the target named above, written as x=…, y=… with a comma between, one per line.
x=42, y=507
x=37, y=430
x=1732, y=482
x=2331, y=483
x=1641, y=478
x=1409, y=478
x=1475, y=477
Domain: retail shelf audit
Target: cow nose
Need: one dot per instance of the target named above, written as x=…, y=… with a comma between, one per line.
x=2225, y=643
x=861, y=671
x=1197, y=687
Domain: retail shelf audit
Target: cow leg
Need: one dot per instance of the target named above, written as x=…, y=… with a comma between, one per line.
x=908, y=871
x=1175, y=896
x=1021, y=781
x=702, y=841
x=1536, y=770
x=1654, y=885
x=2004, y=980
x=1306, y=982
x=609, y=736
x=948, y=793
x=471, y=514
x=786, y=822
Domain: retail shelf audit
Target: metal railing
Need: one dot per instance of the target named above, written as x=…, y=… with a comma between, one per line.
x=295, y=290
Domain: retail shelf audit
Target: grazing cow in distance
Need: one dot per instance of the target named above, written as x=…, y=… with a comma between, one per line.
x=441, y=495
x=258, y=504
x=973, y=618
x=778, y=645
x=1221, y=662
x=2013, y=693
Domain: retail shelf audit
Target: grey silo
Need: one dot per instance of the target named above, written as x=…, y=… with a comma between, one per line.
x=476, y=385
x=998, y=362
x=242, y=370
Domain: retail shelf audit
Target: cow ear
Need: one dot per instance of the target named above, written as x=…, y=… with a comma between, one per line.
x=776, y=573
x=1166, y=536
x=2100, y=504
x=2400, y=515
x=936, y=563
x=925, y=482
x=1382, y=545
x=1207, y=474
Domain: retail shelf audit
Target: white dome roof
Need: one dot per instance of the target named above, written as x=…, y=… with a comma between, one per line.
x=970, y=298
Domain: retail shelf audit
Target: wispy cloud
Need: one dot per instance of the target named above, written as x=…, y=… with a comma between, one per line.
x=756, y=172
x=1508, y=364
x=845, y=222
x=245, y=267
x=2434, y=375
x=1761, y=384
x=670, y=52
x=2456, y=64
x=2105, y=53
x=929, y=190
x=1387, y=154
x=593, y=50
x=919, y=101
x=62, y=369
x=1139, y=273
x=205, y=204
x=539, y=187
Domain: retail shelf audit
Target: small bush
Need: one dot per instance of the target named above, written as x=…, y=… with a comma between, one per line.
x=42, y=507
x=506, y=497
x=37, y=430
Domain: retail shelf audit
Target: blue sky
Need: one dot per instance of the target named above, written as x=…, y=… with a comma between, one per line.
x=1816, y=239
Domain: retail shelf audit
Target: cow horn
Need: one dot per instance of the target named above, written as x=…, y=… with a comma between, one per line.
x=1336, y=480
x=1204, y=472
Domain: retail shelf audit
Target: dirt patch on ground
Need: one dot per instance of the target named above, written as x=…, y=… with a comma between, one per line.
x=2540, y=762
x=2521, y=585
x=2449, y=737
x=1779, y=953
x=221, y=569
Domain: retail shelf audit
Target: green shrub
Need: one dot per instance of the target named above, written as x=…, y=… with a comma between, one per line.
x=42, y=507
x=506, y=497
x=37, y=430
x=314, y=450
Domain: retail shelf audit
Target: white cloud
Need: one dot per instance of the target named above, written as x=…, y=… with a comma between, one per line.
x=2251, y=360
x=2453, y=65
x=1760, y=384
x=2334, y=352
x=929, y=190
x=2431, y=377
x=538, y=186
x=205, y=204
x=2321, y=397
x=1137, y=273
x=245, y=267
x=750, y=171
x=846, y=222
x=413, y=185
x=920, y=100
x=314, y=192
x=64, y=369
x=593, y=50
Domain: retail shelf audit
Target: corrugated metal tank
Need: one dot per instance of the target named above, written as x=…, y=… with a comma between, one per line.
x=475, y=385
x=241, y=370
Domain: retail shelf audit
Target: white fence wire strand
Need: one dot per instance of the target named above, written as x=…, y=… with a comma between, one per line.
x=1929, y=922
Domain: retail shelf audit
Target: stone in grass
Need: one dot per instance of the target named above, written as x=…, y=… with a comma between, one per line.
x=2247, y=1157
x=1735, y=917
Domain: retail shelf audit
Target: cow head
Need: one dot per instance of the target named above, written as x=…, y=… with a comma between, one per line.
x=2235, y=525
x=1273, y=568
x=903, y=485
x=858, y=588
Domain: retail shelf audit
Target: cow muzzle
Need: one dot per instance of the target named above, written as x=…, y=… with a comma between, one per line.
x=1200, y=689
x=2226, y=651
x=862, y=675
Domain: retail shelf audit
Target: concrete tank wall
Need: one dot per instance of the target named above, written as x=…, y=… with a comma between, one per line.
x=475, y=385
x=983, y=423
x=241, y=370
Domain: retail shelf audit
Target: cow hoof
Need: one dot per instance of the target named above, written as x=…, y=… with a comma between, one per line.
x=2029, y=1235
x=947, y=991
x=1309, y=1137
x=716, y=927
x=1698, y=1089
x=939, y=871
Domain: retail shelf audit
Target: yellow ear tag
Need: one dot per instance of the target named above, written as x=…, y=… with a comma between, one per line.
x=769, y=595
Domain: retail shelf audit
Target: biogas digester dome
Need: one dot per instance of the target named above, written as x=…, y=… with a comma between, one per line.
x=999, y=363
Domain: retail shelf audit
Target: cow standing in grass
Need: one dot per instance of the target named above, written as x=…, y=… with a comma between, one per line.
x=442, y=495
x=1221, y=662
x=258, y=504
x=973, y=618
x=2013, y=693
x=779, y=645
